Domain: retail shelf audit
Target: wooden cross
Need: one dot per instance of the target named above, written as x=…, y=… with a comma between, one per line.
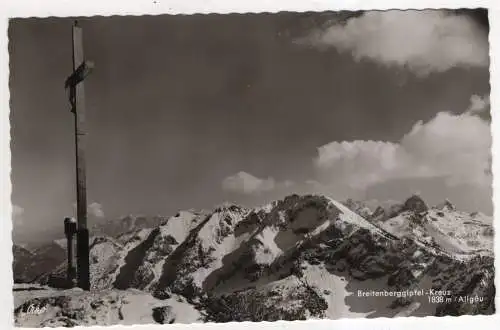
x=74, y=83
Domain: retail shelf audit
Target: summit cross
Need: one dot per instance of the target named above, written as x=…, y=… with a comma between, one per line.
x=74, y=83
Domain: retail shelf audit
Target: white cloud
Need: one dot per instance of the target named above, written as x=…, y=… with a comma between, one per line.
x=449, y=145
x=450, y=150
x=478, y=104
x=423, y=41
x=245, y=183
x=94, y=209
x=371, y=161
x=456, y=147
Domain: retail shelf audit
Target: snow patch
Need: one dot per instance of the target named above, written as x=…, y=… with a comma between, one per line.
x=179, y=227
x=268, y=251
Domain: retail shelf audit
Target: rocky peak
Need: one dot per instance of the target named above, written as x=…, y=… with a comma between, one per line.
x=416, y=204
x=379, y=211
x=350, y=203
x=358, y=207
x=229, y=207
x=447, y=205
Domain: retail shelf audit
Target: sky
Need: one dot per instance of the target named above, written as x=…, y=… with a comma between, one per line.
x=191, y=111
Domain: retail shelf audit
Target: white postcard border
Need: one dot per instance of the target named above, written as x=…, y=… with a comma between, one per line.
x=45, y=8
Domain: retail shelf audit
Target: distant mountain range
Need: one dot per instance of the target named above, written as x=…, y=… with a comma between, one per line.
x=297, y=258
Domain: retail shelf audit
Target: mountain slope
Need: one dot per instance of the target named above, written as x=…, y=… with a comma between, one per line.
x=37, y=263
x=29, y=265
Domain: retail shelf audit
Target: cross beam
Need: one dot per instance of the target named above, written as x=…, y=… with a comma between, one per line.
x=74, y=83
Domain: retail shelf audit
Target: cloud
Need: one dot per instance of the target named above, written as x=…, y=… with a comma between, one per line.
x=245, y=183
x=455, y=147
x=17, y=215
x=371, y=161
x=17, y=211
x=478, y=104
x=248, y=184
x=94, y=209
x=422, y=41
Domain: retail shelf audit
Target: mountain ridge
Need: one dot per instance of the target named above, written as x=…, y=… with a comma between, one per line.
x=294, y=249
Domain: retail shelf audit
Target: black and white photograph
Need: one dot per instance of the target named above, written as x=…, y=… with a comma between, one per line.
x=251, y=167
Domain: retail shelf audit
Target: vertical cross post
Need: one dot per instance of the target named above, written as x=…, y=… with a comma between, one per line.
x=77, y=98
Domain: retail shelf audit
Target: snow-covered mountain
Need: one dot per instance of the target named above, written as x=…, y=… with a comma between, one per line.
x=32, y=261
x=442, y=226
x=297, y=258
x=28, y=265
